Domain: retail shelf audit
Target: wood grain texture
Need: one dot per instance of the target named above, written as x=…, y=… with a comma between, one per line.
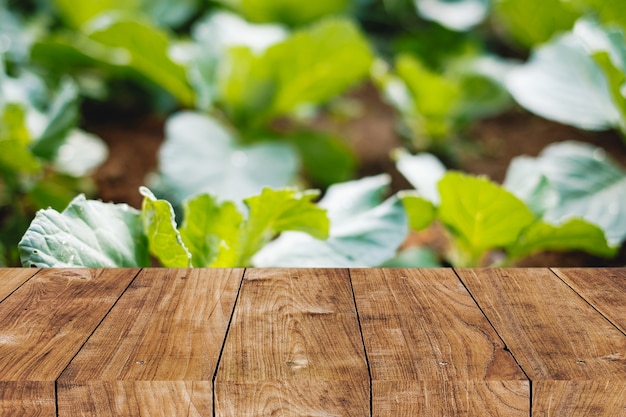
x=44, y=323
x=563, y=398
x=295, y=336
x=169, y=326
x=447, y=399
x=135, y=398
x=555, y=336
x=431, y=350
x=27, y=399
x=11, y=278
x=603, y=288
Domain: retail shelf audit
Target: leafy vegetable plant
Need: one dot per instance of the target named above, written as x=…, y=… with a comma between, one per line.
x=221, y=234
x=482, y=217
x=577, y=78
x=39, y=142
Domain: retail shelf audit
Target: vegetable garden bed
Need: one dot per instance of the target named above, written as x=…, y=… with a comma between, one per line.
x=273, y=133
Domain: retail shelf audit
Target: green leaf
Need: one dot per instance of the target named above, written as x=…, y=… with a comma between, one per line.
x=78, y=14
x=201, y=156
x=326, y=160
x=62, y=117
x=562, y=82
x=480, y=214
x=144, y=48
x=420, y=212
x=607, y=47
x=434, y=97
x=575, y=234
x=164, y=240
x=460, y=15
x=246, y=86
x=587, y=184
x=87, y=233
x=275, y=211
x=363, y=232
x=15, y=140
x=316, y=64
x=129, y=47
x=210, y=231
x=310, y=67
x=290, y=12
x=533, y=22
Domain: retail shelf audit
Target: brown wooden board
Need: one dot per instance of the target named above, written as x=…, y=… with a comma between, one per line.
x=563, y=344
x=169, y=326
x=44, y=323
x=294, y=348
x=27, y=399
x=11, y=278
x=136, y=398
x=431, y=350
x=603, y=288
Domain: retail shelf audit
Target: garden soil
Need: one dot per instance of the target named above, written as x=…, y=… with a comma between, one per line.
x=488, y=148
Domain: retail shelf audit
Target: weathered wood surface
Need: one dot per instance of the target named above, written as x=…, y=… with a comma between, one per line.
x=11, y=279
x=431, y=350
x=574, y=356
x=164, y=336
x=313, y=342
x=294, y=348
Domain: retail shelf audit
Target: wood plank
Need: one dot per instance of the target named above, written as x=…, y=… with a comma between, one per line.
x=12, y=278
x=27, y=399
x=44, y=323
x=136, y=398
x=170, y=325
x=604, y=288
x=294, y=348
x=565, y=346
x=431, y=350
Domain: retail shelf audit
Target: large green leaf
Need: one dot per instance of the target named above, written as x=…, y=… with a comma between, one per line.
x=574, y=234
x=164, y=240
x=87, y=233
x=131, y=47
x=480, y=214
x=210, y=231
x=420, y=211
x=62, y=118
x=562, y=82
x=310, y=67
x=364, y=231
x=290, y=12
x=78, y=14
x=15, y=139
x=146, y=51
x=201, y=156
x=608, y=49
x=587, y=184
x=532, y=22
x=217, y=234
x=275, y=211
x=434, y=96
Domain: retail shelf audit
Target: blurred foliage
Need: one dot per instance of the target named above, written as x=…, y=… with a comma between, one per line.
x=244, y=85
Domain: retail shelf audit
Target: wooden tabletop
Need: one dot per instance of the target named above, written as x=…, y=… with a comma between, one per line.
x=313, y=342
